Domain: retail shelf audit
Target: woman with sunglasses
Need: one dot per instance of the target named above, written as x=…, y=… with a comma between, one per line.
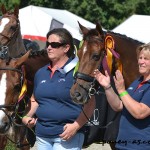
x=59, y=120
x=134, y=128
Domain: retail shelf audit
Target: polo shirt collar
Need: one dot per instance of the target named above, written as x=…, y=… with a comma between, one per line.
x=68, y=66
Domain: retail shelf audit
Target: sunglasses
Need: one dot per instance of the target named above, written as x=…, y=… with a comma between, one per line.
x=55, y=44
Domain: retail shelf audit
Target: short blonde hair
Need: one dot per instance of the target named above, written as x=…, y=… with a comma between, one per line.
x=145, y=48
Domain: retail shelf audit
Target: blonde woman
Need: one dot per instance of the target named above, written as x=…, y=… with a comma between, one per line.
x=134, y=129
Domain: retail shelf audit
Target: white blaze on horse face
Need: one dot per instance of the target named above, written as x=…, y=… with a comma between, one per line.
x=4, y=21
x=3, y=94
x=84, y=50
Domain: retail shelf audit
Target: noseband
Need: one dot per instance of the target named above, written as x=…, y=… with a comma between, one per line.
x=10, y=37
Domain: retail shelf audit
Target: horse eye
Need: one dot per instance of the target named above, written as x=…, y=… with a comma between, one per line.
x=96, y=57
x=13, y=28
x=17, y=87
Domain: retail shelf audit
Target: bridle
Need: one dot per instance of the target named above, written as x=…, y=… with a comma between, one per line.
x=12, y=118
x=16, y=29
x=91, y=90
x=13, y=35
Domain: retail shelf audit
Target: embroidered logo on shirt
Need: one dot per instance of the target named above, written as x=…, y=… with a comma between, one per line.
x=130, y=88
x=141, y=91
x=43, y=81
x=61, y=80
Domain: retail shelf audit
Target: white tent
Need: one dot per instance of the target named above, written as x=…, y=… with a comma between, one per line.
x=136, y=27
x=37, y=21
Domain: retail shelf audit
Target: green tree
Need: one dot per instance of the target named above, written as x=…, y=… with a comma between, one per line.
x=9, y=4
x=109, y=12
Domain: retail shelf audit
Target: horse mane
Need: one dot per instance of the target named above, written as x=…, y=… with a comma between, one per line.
x=42, y=52
x=123, y=36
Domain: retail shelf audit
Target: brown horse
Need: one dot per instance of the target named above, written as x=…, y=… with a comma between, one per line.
x=105, y=51
x=120, y=53
x=11, y=43
x=16, y=85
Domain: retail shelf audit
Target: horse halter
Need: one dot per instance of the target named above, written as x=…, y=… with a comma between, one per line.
x=14, y=33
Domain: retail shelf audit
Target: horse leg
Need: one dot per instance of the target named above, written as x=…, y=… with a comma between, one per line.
x=3, y=142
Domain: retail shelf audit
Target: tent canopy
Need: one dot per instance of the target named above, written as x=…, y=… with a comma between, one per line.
x=136, y=27
x=37, y=21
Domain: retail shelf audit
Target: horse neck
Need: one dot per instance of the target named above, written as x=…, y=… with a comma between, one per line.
x=32, y=65
x=126, y=48
x=16, y=46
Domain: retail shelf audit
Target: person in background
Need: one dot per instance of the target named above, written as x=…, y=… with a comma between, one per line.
x=59, y=121
x=134, y=128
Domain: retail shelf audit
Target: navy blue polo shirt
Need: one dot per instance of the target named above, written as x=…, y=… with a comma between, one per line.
x=134, y=134
x=55, y=105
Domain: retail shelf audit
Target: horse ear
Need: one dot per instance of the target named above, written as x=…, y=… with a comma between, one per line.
x=3, y=9
x=16, y=10
x=22, y=59
x=99, y=28
x=84, y=30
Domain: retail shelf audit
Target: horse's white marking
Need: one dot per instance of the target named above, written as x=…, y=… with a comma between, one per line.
x=84, y=49
x=3, y=94
x=4, y=21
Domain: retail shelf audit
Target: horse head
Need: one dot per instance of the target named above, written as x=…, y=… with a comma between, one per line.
x=10, y=35
x=90, y=58
x=11, y=81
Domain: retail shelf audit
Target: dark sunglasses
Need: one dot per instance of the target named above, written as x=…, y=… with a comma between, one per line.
x=55, y=44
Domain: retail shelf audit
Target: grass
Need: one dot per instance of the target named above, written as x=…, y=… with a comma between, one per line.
x=10, y=146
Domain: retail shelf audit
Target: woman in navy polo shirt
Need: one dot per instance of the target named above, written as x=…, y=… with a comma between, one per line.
x=59, y=120
x=134, y=129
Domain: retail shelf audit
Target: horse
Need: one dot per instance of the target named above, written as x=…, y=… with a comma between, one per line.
x=16, y=84
x=11, y=42
x=103, y=50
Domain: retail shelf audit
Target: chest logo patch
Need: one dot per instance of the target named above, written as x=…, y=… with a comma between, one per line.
x=61, y=80
x=43, y=81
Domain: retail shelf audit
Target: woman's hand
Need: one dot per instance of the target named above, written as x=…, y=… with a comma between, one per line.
x=69, y=131
x=103, y=80
x=119, y=82
x=29, y=121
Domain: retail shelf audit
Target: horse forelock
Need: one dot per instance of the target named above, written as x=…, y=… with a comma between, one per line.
x=92, y=33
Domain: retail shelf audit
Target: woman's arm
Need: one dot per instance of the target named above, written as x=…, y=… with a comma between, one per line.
x=30, y=111
x=112, y=98
x=136, y=109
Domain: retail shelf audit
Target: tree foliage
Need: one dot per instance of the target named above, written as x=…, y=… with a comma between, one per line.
x=109, y=12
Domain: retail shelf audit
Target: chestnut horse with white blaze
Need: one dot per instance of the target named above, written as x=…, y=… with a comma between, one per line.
x=11, y=42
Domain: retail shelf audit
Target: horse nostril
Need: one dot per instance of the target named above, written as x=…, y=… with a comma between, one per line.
x=77, y=95
x=4, y=127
